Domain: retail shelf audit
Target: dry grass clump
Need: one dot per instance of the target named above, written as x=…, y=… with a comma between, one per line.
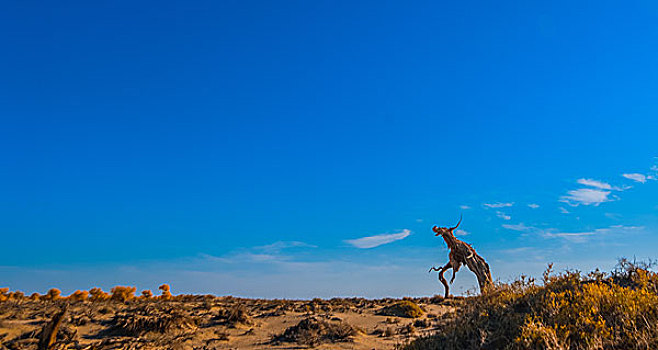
x=569, y=311
x=312, y=331
x=146, y=319
x=236, y=315
x=402, y=308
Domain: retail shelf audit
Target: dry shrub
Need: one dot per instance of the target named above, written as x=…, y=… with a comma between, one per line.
x=17, y=295
x=97, y=294
x=388, y=332
x=6, y=295
x=166, y=294
x=122, y=293
x=78, y=296
x=236, y=315
x=312, y=331
x=145, y=319
x=569, y=311
x=408, y=329
x=402, y=308
x=423, y=323
x=53, y=294
x=147, y=294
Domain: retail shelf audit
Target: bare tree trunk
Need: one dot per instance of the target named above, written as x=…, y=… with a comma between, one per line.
x=480, y=268
x=49, y=332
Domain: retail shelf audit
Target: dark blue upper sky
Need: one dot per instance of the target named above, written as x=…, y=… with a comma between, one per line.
x=169, y=137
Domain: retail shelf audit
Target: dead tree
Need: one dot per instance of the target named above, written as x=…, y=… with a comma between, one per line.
x=461, y=253
x=49, y=331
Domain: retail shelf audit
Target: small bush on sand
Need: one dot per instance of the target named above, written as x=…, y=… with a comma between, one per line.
x=402, y=308
x=569, y=311
x=78, y=296
x=237, y=315
x=166, y=294
x=122, y=294
x=312, y=331
x=53, y=294
x=147, y=294
x=97, y=294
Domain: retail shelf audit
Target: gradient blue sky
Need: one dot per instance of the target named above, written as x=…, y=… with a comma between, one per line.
x=245, y=147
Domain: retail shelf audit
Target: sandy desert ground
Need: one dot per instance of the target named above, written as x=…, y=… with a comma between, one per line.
x=207, y=322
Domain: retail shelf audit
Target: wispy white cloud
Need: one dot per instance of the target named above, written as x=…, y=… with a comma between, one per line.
x=636, y=177
x=498, y=205
x=276, y=252
x=460, y=232
x=578, y=236
x=377, y=240
x=533, y=205
x=587, y=196
x=595, y=183
x=595, y=193
x=564, y=210
x=464, y=207
x=281, y=245
x=521, y=227
x=503, y=216
x=583, y=235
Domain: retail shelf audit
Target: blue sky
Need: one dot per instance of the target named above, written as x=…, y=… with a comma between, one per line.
x=300, y=149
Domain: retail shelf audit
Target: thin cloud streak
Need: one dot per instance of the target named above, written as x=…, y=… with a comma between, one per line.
x=498, y=205
x=503, y=216
x=377, y=240
x=518, y=227
x=577, y=237
x=636, y=177
x=460, y=232
x=595, y=183
x=586, y=196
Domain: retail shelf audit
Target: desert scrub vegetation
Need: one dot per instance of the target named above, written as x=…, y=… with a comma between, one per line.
x=313, y=331
x=123, y=294
x=118, y=294
x=569, y=310
x=148, y=318
x=402, y=308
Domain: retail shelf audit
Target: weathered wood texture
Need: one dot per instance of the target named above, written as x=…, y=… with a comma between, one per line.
x=461, y=253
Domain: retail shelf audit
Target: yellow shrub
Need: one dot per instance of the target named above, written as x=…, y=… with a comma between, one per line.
x=402, y=308
x=166, y=294
x=121, y=293
x=53, y=294
x=570, y=311
x=78, y=296
x=97, y=294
